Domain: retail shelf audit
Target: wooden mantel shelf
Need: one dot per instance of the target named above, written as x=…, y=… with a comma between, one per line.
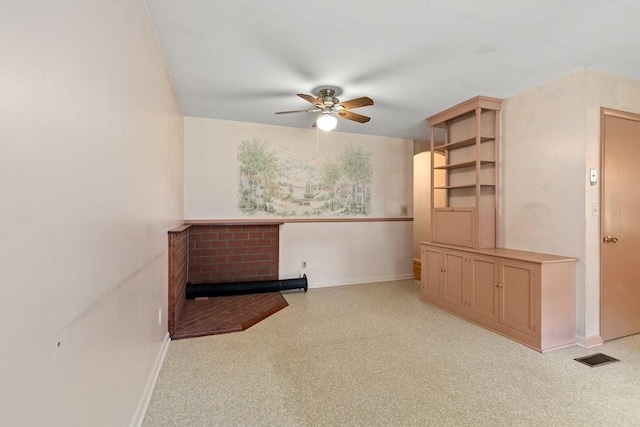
x=268, y=221
x=237, y=222
x=179, y=228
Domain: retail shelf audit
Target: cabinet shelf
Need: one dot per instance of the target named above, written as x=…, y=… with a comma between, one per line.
x=463, y=143
x=464, y=165
x=453, y=187
x=469, y=175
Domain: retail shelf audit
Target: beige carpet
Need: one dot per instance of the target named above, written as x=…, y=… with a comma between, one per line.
x=373, y=355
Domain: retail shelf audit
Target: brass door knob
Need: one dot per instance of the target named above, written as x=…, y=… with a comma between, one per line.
x=609, y=239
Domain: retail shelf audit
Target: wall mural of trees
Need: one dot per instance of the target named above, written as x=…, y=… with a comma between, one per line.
x=276, y=183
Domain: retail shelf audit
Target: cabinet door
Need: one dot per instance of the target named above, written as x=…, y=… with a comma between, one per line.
x=453, y=280
x=483, y=286
x=454, y=226
x=519, y=295
x=431, y=272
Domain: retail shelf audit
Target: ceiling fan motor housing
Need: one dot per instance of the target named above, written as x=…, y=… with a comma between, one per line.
x=326, y=97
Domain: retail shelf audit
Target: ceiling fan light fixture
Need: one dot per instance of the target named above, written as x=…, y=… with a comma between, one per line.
x=327, y=122
x=329, y=106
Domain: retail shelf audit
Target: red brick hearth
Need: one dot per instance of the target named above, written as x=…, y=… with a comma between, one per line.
x=221, y=253
x=221, y=315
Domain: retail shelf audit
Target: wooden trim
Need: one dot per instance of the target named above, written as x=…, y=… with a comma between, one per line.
x=604, y=112
x=180, y=228
x=288, y=220
x=465, y=107
x=432, y=172
x=619, y=114
x=234, y=222
x=478, y=141
x=496, y=176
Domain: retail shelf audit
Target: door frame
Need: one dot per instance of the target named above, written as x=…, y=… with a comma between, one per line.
x=604, y=112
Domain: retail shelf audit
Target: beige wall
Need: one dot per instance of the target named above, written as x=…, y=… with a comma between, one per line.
x=421, y=201
x=551, y=138
x=91, y=178
x=212, y=166
x=422, y=197
x=603, y=90
x=543, y=173
x=335, y=253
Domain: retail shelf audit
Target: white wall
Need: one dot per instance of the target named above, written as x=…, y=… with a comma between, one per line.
x=346, y=253
x=336, y=253
x=91, y=177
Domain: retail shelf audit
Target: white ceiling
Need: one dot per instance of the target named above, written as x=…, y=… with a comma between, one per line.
x=246, y=59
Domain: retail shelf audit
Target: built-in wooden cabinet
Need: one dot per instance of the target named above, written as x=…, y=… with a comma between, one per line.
x=527, y=296
x=464, y=196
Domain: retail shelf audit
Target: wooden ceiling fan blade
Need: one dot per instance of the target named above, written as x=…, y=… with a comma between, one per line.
x=299, y=111
x=309, y=99
x=353, y=116
x=357, y=102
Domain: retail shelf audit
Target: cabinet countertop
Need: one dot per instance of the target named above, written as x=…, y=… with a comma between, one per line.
x=514, y=254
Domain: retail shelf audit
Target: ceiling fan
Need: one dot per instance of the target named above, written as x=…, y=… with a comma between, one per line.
x=329, y=106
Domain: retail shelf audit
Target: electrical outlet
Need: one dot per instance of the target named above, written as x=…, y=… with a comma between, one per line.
x=304, y=264
x=159, y=316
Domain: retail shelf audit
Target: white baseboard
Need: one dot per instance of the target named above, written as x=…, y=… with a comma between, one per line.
x=589, y=342
x=361, y=280
x=141, y=410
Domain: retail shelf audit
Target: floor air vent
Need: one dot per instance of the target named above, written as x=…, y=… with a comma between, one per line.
x=597, y=359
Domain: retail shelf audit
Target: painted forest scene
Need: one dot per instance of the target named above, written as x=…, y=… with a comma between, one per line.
x=277, y=183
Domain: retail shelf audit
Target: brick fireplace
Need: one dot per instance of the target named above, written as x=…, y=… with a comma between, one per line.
x=219, y=253
x=233, y=253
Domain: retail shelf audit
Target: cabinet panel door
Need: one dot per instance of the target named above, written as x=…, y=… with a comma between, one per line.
x=431, y=274
x=518, y=299
x=483, y=290
x=453, y=282
x=454, y=226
